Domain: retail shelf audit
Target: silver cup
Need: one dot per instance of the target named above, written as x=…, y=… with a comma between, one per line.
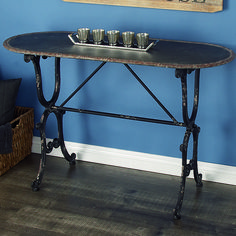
x=83, y=35
x=98, y=36
x=128, y=38
x=142, y=40
x=113, y=37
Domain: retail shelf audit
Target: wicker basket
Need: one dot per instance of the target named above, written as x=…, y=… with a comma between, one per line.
x=22, y=131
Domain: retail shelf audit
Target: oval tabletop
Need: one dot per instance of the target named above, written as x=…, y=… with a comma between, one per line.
x=166, y=53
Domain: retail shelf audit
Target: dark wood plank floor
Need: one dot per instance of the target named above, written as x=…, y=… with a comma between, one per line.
x=91, y=199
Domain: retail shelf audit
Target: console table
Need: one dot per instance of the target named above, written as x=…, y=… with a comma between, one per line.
x=185, y=57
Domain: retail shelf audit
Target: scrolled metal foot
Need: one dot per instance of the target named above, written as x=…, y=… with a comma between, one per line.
x=199, y=181
x=72, y=163
x=176, y=215
x=35, y=185
x=72, y=159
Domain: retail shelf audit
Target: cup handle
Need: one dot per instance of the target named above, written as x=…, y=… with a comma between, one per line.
x=70, y=36
x=151, y=45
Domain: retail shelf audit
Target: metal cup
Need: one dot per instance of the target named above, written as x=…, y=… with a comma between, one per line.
x=83, y=35
x=98, y=36
x=113, y=37
x=128, y=38
x=142, y=40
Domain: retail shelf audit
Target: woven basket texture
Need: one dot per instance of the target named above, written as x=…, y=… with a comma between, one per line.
x=22, y=131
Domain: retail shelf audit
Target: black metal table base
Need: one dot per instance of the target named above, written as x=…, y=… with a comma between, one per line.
x=51, y=107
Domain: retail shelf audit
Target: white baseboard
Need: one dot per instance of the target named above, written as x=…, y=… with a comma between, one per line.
x=141, y=161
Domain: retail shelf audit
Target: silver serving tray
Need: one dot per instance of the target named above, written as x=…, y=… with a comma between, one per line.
x=74, y=40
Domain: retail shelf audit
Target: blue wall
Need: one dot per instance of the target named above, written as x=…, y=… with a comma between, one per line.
x=113, y=88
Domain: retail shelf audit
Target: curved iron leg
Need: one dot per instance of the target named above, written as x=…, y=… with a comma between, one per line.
x=197, y=176
x=70, y=158
x=49, y=108
x=41, y=126
x=185, y=173
x=191, y=128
